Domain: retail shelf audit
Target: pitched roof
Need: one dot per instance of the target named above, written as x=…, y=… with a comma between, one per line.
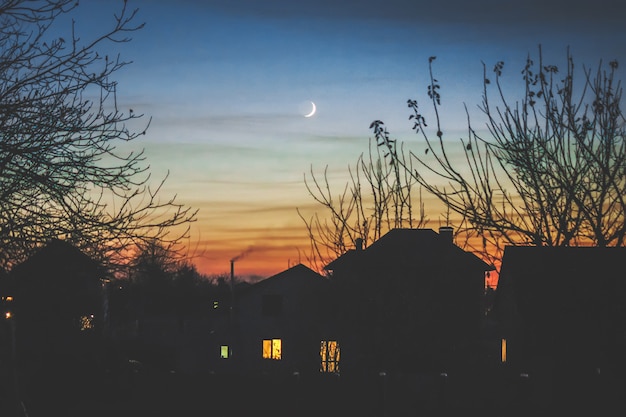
x=546, y=281
x=56, y=252
x=298, y=271
x=579, y=262
x=419, y=245
x=57, y=259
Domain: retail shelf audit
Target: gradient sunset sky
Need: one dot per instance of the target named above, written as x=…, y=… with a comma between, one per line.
x=227, y=83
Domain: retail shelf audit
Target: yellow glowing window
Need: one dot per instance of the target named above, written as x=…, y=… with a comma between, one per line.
x=503, y=351
x=224, y=351
x=329, y=356
x=216, y=304
x=86, y=322
x=272, y=349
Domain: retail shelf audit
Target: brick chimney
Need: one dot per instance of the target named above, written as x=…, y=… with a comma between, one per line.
x=358, y=244
x=446, y=233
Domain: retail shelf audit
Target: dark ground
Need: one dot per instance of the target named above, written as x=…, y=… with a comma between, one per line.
x=154, y=393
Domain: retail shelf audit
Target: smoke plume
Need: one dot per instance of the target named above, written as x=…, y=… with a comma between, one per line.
x=242, y=254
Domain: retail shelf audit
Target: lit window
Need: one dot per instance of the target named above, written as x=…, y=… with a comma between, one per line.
x=7, y=298
x=216, y=304
x=503, y=351
x=224, y=352
x=86, y=322
x=8, y=315
x=272, y=349
x=329, y=355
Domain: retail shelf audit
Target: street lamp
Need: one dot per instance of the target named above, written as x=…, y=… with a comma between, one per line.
x=8, y=315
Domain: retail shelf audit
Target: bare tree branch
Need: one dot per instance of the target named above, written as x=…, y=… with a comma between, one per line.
x=551, y=171
x=377, y=198
x=62, y=173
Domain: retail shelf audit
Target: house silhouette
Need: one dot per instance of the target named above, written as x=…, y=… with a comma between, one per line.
x=408, y=303
x=59, y=306
x=59, y=292
x=277, y=325
x=561, y=314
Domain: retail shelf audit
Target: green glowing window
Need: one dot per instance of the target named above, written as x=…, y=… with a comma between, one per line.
x=224, y=352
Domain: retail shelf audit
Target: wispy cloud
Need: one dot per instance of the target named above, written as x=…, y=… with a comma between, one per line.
x=479, y=11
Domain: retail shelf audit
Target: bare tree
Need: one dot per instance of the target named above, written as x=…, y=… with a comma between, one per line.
x=379, y=197
x=550, y=171
x=62, y=173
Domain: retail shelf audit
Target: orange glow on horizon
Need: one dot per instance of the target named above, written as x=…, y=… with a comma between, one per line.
x=251, y=260
x=263, y=261
x=245, y=268
x=270, y=241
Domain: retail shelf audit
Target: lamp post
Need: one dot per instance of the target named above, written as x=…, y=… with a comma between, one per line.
x=383, y=409
x=8, y=315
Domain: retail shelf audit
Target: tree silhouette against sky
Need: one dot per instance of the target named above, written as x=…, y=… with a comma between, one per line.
x=549, y=169
x=379, y=197
x=62, y=171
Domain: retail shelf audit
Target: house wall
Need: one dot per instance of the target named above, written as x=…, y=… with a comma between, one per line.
x=298, y=325
x=407, y=316
x=564, y=313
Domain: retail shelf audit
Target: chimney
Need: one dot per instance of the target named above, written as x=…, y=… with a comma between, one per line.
x=232, y=272
x=232, y=286
x=358, y=244
x=446, y=233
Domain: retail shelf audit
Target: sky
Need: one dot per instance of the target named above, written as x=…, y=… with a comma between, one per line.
x=227, y=83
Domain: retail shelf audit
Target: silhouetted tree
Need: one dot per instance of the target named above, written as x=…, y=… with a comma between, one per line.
x=62, y=173
x=192, y=291
x=379, y=197
x=162, y=282
x=551, y=169
x=152, y=276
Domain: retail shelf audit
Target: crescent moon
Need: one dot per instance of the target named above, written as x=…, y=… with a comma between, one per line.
x=313, y=110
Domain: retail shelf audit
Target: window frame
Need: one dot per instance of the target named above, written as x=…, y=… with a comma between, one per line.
x=227, y=355
x=330, y=356
x=272, y=349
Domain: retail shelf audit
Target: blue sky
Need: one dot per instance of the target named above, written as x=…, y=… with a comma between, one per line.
x=225, y=81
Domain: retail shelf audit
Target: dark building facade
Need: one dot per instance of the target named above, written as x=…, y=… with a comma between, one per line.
x=59, y=303
x=277, y=325
x=52, y=352
x=410, y=302
x=562, y=316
